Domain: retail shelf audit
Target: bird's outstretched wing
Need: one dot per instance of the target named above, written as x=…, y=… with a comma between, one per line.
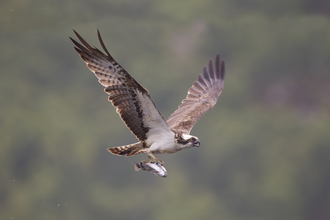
x=132, y=101
x=202, y=96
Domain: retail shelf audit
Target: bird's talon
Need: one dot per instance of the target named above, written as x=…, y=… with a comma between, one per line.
x=159, y=162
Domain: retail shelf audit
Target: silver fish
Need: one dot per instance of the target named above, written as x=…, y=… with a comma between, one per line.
x=155, y=168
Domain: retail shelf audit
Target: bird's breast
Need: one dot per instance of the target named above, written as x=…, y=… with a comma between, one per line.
x=165, y=148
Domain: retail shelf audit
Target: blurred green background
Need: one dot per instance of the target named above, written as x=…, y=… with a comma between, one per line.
x=265, y=150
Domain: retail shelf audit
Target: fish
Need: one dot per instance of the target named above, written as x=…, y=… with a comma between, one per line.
x=155, y=168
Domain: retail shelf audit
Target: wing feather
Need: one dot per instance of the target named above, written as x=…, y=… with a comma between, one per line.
x=202, y=96
x=132, y=101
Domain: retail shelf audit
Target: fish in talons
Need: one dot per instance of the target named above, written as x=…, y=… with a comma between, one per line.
x=155, y=168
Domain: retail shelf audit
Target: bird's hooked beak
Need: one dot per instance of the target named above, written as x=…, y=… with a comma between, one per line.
x=197, y=143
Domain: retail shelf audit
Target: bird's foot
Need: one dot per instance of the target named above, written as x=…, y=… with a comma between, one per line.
x=153, y=159
x=145, y=161
x=156, y=161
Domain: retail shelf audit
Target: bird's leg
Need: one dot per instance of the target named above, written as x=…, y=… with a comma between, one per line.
x=154, y=159
x=147, y=160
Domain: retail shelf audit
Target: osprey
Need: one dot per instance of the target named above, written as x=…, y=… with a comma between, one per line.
x=140, y=114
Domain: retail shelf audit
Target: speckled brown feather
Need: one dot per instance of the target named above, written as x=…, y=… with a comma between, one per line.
x=202, y=96
x=124, y=91
x=128, y=150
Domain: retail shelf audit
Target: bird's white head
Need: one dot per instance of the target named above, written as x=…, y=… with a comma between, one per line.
x=188, y=141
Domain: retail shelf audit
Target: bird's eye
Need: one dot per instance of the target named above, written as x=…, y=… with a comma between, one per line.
x=192, y=139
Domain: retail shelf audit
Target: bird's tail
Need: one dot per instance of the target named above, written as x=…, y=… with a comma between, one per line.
x=128, y=150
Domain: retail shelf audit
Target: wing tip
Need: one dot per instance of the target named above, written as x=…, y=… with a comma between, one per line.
x=216, y=71
x=102, y=44
x=219, y=68
x=223, y=70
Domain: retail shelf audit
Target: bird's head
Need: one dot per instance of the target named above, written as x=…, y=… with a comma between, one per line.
x=189, y=141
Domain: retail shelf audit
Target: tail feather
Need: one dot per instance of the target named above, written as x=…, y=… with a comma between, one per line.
x=128, y=150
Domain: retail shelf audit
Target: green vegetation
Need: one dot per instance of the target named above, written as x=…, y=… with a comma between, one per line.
x=265, y=150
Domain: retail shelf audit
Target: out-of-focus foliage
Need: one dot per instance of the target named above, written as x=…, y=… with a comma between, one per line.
x=265, y=145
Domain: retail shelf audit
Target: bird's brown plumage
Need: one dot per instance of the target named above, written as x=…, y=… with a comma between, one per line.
x=128, y=150
x=202, y=96
x=124, y=91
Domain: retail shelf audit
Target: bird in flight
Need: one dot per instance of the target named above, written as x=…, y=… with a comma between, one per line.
x=136, y=108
